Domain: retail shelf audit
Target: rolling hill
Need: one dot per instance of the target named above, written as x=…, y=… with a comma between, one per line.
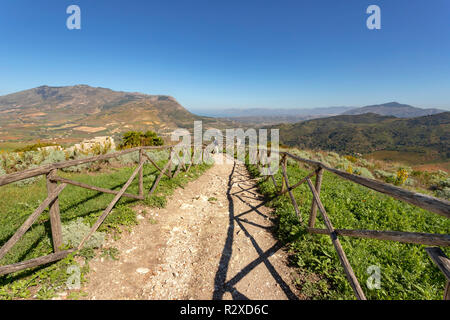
x=368, y=133
x=259, y=117
x=394, y=109
x=263, y=116
x=75, y=112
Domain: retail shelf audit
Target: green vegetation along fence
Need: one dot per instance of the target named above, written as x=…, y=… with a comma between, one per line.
x=435, y=205
x=56, y=184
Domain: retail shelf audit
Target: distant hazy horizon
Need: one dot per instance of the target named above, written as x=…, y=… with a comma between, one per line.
x=210, y=111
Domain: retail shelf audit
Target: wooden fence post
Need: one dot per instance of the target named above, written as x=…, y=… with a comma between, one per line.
x=443, y=263
x=447, y=291
x=283, y=182
x=291, y=194
x=141, y=173
x=337, y=245
x=55, y=219
x=318, y=184
x=170, y=162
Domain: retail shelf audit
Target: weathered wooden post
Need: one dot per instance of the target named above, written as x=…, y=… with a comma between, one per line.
x=318, y=184
x=447, y=291
x=283, y=182
x=141, y=173
x=288, y=188
x=55, y=219
x=170, y=162
x=443, y=263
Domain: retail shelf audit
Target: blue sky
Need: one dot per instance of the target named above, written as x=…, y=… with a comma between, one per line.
x=238, y=54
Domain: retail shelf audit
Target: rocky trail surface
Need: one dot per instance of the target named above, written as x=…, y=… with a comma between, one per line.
x=213, y=240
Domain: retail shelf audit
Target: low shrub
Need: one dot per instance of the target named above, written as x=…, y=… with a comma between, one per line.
x=36, y=146
x=133, y=139
x=74, y=231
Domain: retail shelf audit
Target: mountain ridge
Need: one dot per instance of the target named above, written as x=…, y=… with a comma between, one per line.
x=394, y=109
x=267, y=116
x=371, y=132
x=80, y=111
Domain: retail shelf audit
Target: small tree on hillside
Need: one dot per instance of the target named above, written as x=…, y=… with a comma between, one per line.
x=133, y=139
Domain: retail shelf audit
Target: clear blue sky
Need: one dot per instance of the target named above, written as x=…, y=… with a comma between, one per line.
x=220, y=54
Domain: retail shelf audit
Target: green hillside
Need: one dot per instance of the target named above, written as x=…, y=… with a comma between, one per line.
x=370, y=132
x=76, y=112
x=406, y=270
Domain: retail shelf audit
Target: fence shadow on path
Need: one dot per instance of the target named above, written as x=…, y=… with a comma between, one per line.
x=221, y=285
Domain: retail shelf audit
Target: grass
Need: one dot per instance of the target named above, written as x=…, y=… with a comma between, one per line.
x=406, y=270
x=9, y=146
x=411, y=158
x=110, y=253
x=17, y=203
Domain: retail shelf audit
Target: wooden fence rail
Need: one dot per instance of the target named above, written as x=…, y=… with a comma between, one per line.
x=435, y=205
x=55, y=184
x=438, y=206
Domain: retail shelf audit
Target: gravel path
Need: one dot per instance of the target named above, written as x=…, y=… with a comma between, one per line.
x=212, y=241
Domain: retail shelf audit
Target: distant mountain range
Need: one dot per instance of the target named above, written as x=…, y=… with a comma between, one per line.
x=257, y=112
x=262, y=116
x=81, y=111
x=369, y=132
x=77, y=112
x=394, y=109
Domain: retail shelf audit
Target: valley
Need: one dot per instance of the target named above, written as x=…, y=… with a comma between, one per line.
x=78, y=112
x=65, y=124
x=390, y=132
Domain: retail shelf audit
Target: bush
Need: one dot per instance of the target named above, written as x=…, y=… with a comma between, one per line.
x=444, y=183
x=133, y=139
x=401, y=176
x=25, y=182
x=352, y=159
x=410, y=182
x=384, y=175
x=74, y=231
x=36, y=146
x=343, y=164
x=444, y=193
x=158, y=155
x=363, y=172
x=129, y=158
x=54, y=156
x=80, y=167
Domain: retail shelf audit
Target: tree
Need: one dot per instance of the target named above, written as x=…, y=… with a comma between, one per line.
x=133, y=139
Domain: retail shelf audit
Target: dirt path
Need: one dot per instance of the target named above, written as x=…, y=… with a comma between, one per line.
x=212, y=241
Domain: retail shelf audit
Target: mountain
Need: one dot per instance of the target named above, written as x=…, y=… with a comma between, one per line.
x=81, y=111
x=394, y=109
x=258, y=117
x=370, y=132
x=267, y=112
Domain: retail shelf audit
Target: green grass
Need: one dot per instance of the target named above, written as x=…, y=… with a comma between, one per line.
x=11, y=146
x=406, y=270
x=17, y=203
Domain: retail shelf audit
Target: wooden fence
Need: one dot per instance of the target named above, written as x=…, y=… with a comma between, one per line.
x=56, y=184
x=438, y=206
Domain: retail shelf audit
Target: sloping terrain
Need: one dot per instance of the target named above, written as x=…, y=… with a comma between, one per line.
x=82, y=111
x=368, y=133
x=394, y=109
